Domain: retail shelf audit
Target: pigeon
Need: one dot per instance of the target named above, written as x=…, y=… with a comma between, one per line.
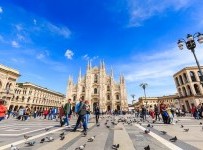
x=152, y=126
x=62, y=134
x=147, y=148
x=31, y=143
x=186, y=130
x=62, y=137
x=153, y=121
x=98, y=125
x=140, y=123
x=47, y=129
x=200, y=123
x=108, y=126
x=173, y=139
x=164, y=132
x=50, y=139
x=182, y=126
x=81, y=147
x=27, y=137
x=148, y=125
x=14, y=147
x=42, y=140
x=115, y=146
x=91, y=139
x=147, y=131
x=176, y=121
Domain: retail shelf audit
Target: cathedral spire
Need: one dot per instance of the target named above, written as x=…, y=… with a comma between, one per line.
x=103, y=65
x=111, y=72
x=80, y=75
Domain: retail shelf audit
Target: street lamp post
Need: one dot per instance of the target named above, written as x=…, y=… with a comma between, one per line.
x=133, y=96
x=144, y=85
x=191, y=45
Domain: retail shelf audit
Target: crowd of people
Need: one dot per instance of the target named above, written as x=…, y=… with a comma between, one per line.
x=167, y=112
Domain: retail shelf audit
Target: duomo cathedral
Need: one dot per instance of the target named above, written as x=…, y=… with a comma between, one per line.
x=97, y=86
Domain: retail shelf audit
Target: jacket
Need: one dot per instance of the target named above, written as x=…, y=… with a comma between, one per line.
x=2, y=110
x=67, y=108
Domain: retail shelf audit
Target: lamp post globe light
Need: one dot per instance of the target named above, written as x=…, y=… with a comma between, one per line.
x=191, y=45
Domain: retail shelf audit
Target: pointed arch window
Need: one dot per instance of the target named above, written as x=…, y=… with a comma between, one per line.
x=185, y=77
x=181, y=80
x=83, y=89
x=95, y=90
x=108, y=88
x=108, y=97
x=117, y=97
x=95, y=78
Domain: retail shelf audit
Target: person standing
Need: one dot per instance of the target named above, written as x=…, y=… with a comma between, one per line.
x=2, y=110
x=67, y=110
x=144, y=113
x=97, y=113
x=81, y=111
x=87, y=116
x=156, y=111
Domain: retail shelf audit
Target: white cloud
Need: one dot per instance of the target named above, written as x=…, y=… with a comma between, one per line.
x=34, y=21
x=69, y=54
x=87, y=57
x=157, y=69
x=60, y=30
x=19, y=27
x=15, y=44
x=42, y=55
x=142, y=10
x=1, y=10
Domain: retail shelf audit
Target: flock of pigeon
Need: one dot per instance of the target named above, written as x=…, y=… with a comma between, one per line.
x=110, y=120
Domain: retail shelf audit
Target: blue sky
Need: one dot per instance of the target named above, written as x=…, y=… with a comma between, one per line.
x=49, y=40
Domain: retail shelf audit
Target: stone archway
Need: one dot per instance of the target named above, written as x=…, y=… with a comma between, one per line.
x=16, y=108
x=11, y=107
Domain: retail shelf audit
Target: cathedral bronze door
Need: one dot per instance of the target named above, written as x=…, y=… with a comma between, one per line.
x=108, y=108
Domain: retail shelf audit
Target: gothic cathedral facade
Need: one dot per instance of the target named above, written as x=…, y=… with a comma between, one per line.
x=99, y=88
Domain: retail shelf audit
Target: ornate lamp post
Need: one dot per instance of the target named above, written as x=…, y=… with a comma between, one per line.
x=191, y=45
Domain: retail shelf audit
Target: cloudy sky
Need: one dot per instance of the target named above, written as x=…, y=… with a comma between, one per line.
x=49, y=40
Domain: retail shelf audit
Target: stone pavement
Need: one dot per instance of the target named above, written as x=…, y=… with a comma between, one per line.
x=130, y=137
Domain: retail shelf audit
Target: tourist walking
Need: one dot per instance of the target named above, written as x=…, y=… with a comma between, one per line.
x=144, y=113
x=97, y=113
x=67, y=111
x=81, y=111
x=157, y=112
x=87, y=116
x=2, y=110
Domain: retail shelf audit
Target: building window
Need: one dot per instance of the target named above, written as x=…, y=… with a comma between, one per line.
x=95, y=91
x=181, y=80
x=184, y=91
x=74, y=98
x=108, y=97
x=108, y=88
x=192, y=75
x=177, y=82
x=189, y=90
x=95, y=78
x=196, y=87
x=117, y=97
x=180, y=92
x=185, y=78
x=83, y=89
x=200, y=78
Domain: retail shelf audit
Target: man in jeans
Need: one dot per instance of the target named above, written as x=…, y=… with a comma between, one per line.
x=67, y=110
x=81, y=116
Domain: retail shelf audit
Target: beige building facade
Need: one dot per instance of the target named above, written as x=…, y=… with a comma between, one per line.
x=26, y=94
x=151, y=101
x=98, y=87
x=189, y=87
